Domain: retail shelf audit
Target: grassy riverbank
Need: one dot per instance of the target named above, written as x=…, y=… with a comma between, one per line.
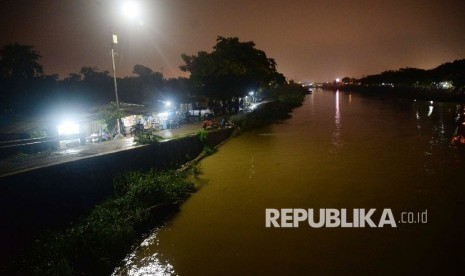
x=96, y=244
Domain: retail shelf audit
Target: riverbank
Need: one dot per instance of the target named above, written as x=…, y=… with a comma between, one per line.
x=49, y=198
x=403, y=92
x=98, y=242
x=279, y=109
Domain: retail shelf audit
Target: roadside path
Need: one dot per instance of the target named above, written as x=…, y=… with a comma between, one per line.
x=20, y=162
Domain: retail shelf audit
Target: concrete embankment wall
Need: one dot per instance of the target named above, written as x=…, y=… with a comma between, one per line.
x=52, y=196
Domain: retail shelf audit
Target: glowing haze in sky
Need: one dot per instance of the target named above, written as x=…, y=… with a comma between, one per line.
x=310, y=40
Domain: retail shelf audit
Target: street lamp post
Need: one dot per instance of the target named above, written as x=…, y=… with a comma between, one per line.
x=132, y=11
x=114, y=42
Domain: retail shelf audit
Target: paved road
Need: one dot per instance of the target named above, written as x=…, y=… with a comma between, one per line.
x=19, y=162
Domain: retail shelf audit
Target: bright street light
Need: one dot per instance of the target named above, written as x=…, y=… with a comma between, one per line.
x=132, y=11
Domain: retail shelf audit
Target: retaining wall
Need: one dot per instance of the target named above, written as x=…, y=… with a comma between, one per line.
x=53, y=196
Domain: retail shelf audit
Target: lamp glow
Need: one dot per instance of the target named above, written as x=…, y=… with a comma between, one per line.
x=68, y=128
x=131, y=10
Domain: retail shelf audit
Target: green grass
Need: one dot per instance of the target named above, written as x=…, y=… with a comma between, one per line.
x=147, y=138
x=98, y=242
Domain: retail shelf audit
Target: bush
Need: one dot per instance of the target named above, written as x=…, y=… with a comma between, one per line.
x=203, y=136
x=98, y=242
x=147, y=138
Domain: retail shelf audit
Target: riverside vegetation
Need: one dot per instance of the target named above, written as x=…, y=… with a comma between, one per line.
x=285, y=99
x=96, y=244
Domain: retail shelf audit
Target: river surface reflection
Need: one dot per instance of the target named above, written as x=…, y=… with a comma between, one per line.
x=339, y=150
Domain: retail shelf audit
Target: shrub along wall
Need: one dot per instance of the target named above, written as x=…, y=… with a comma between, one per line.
x=50, y=197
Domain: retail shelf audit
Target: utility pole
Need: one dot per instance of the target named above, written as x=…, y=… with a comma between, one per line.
x=114, y=42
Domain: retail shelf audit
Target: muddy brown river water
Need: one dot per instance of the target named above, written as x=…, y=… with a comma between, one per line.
x=338, y=151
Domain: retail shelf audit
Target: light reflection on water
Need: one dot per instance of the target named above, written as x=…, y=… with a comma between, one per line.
x=337, y=139
x=141, y=262
x=438, y=123
x=338, y=151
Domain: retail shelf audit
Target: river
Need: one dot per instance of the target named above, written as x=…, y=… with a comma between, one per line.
x=338, y=151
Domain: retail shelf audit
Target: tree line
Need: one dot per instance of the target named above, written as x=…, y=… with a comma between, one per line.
x=232, y=69
x=25, y=87
x=450, y=76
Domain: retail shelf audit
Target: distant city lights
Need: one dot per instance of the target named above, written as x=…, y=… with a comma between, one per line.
x=446, y=85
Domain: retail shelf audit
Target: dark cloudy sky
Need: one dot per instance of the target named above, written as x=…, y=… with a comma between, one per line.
x=310, y=40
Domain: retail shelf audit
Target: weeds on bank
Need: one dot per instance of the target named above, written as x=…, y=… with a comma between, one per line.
x=97, y=243
x=147, y=138
x=203, y=137
x=195, y=170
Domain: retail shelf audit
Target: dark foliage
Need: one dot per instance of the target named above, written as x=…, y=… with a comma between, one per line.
x=98, y=242
x=453, y=72
x=25, y=90
x=232, y=69
x=285, y=99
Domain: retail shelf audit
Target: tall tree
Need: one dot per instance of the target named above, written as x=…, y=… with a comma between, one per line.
x=148, y=77
x=20, y=76
x=142, y=71
x=20, y=62
x=151, y=83
x=98, y=85
x=232, y=69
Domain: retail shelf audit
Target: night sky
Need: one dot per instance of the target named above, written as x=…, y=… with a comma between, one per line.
x=310, y=40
